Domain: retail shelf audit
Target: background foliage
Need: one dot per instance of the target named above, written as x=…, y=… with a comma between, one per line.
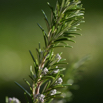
x=19, y=33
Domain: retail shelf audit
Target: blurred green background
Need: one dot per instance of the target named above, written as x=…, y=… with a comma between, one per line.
x=19, y=33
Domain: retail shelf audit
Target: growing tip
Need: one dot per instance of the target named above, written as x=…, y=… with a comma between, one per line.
x=48, y=3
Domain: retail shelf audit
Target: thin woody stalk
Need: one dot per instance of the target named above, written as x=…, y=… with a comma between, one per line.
x=37, y=89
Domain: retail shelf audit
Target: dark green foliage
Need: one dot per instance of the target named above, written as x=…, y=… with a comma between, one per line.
x=62, y=27
x=23, y=89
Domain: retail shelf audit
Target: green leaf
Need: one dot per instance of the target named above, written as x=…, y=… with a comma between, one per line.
x=67, y=27
x=23, y=89
x=62, y=60
x=26, y=97
x=58, y=97
x=49, y=100
x=62, y=69
x=62, y=46
x=53, y=17
x=32, y=75
x=50, y=6
x=62, y=5
x=58, y=86
x=28, y=84
x=57, y=9
x=59, y=45
x=63, y=39
x=48, y=85
x=69, y=33
x=56, y=68
x=71, y=6
x=60, y=63
x=47, y=77
x=44, y=88
x=32, y=56
x=37, y=62
x=44, y=35
x=40, y=27
x=70, y=36
x=58, y=92
x=36, y=68
x=31, y=78
x=77, y=22
x=38, y=55
x=66, y=45
x=31, y=71
x=53, y=82
x=46, y=19
x=62, y=75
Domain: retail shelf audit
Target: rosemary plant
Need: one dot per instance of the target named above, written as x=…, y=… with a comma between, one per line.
x=46, y=71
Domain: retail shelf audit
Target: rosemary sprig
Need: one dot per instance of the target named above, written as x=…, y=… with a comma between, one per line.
x=65, y=19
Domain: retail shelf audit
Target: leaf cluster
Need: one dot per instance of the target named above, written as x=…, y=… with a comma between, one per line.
x=62, y=27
